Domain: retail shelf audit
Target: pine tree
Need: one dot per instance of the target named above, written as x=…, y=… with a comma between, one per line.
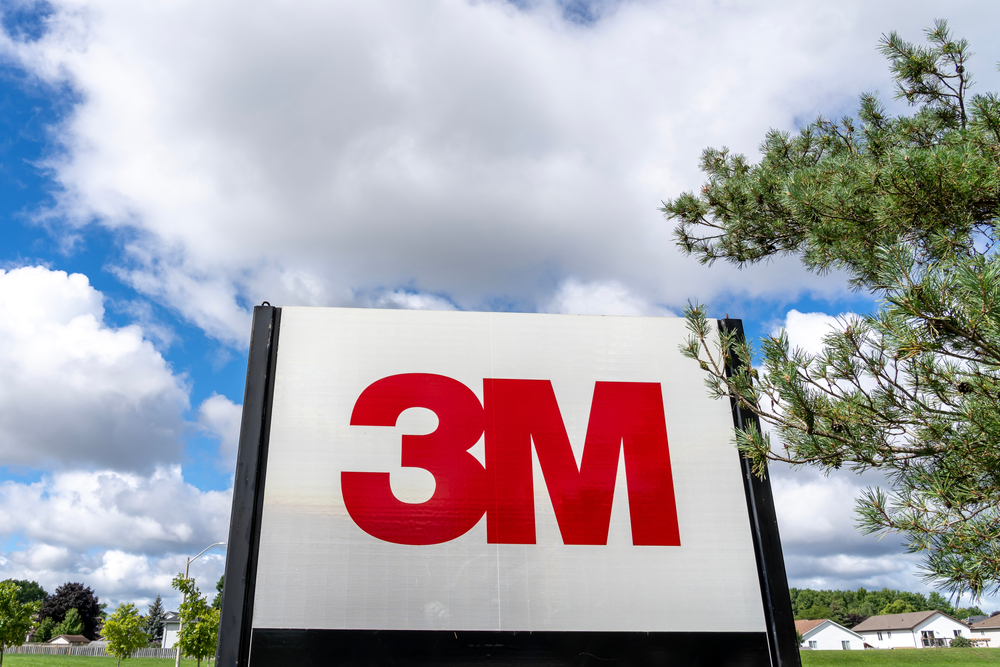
x=217, y=600
x=153, y=624
x=908, y=207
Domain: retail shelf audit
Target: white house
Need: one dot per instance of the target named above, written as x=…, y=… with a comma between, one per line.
x=171, y=626
x=988, y=629
x=920, y=629
x=825, y=635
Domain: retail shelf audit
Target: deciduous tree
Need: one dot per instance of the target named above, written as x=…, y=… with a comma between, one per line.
x=908, y=206
x=30, y=591
x=74, y=596
x=16, y=618
x=199, y=633
x=898, y=607
x=71, y=625
x=123, y=630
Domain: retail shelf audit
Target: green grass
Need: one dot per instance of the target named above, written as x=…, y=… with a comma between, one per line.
x=890, y=658
x=27, y=660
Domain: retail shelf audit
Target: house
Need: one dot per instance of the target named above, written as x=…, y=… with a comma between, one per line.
x=988, y=629
x=919, y=629
x=171, y=626
x=72, y=640
x=825, y=635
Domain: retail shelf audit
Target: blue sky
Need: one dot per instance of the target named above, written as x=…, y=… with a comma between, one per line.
x=187, y=161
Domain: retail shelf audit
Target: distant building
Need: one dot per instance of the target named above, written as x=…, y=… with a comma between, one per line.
x=919, y=629
x=73, y=640
x=988, y=629
x=825, y=635
x=171, y=626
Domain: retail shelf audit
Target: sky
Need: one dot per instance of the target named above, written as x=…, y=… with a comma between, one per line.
x=167, y=164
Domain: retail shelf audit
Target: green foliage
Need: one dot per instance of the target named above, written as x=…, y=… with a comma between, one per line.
x=960, y=642
x=937, y=601
x=71, y=625
x=30, y=591
x=849, y=608
x=123, y=630
x=898, y=607
x=16, y=618
x=217, y=601
x=45, y=630
x=965, y=612
x=74, y=595
x=815, y=612
x=199, y=633
x=908, y=207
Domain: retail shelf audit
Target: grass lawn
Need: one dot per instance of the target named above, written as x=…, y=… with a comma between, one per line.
x=18, y=660
x=923, y=656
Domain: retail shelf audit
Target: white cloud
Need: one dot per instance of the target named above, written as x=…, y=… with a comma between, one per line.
x=411, y=301
x=72, y=389
x=153, y=514
x=807, y=330
x=467, y=149
x=600, y=298
x=221, y=418
x=124, y=535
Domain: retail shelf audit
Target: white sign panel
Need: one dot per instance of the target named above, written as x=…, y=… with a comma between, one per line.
x=499, y=472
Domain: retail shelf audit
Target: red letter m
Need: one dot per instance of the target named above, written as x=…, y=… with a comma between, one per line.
x=520, y=413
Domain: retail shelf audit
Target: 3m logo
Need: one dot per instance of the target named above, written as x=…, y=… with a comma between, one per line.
x=517, y=414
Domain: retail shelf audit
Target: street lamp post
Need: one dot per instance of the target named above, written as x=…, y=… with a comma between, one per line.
x=187, y=566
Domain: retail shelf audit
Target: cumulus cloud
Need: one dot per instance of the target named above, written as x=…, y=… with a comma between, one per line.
x=75, y=391
x=823, y=549
x=123, y=534
x=154, y=514
x=482, y=151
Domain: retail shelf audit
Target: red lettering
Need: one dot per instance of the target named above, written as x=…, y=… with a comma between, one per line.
x=519, y=413
x=623, y=414
x=458, y=501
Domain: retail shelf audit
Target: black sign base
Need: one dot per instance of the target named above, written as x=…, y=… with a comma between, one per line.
x=354, y=648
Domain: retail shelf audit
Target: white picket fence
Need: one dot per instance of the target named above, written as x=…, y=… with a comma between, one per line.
x=97, y=651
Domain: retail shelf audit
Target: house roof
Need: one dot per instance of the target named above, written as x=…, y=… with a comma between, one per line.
x=72, y=639
x=802, y=627
x=898, y=621
x=991, y=622
x=171, y=617
x=805, y=627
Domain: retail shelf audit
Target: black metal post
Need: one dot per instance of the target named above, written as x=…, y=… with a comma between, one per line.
x=781, y=639
x=248, y=492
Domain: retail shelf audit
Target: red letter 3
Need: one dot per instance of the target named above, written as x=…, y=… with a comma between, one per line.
x=459, y=494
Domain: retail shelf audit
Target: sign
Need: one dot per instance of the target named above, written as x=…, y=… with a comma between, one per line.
x=454, y=488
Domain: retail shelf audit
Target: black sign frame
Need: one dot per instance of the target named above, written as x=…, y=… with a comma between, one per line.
x=777, y=647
